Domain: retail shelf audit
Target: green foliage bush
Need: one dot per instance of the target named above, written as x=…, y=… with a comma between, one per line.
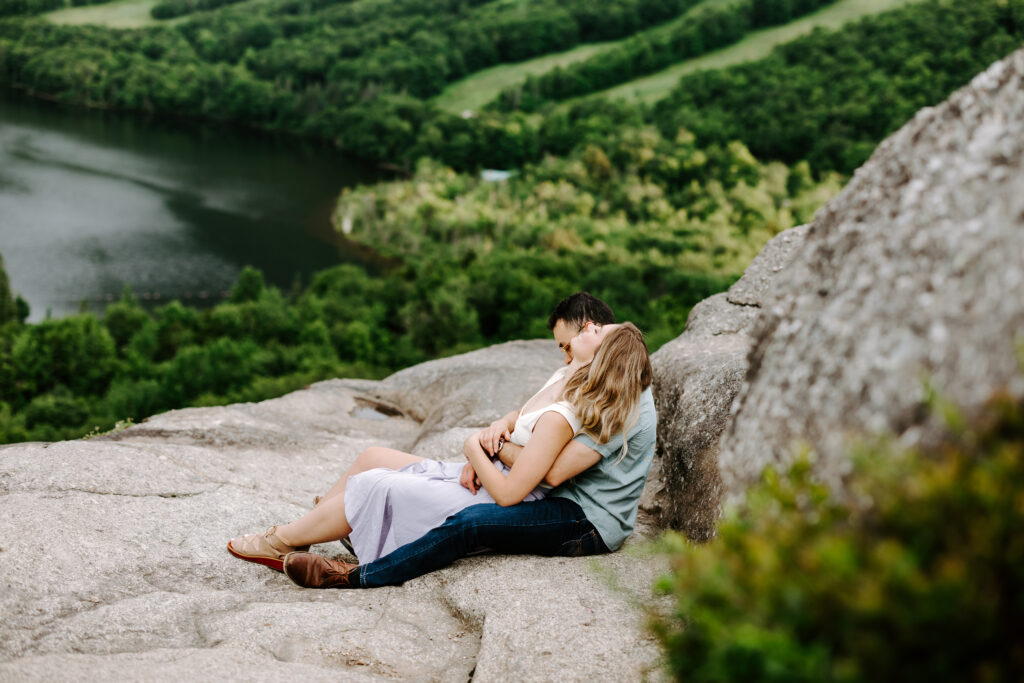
x=176, y=8
x=75, y=352
x=916, y=573
x=8, y=308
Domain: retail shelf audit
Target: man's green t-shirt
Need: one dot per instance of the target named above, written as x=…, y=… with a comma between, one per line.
x=609, y=492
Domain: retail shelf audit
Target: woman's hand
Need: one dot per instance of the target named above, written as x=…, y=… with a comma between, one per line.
x=491, y=437
x=550, y=435
x=468, y=479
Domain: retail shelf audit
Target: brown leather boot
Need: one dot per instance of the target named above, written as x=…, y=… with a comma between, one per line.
x=316, y=571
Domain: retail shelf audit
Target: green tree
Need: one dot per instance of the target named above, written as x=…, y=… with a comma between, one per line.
x=76, y=352
x=249, y=285
x=8, y=309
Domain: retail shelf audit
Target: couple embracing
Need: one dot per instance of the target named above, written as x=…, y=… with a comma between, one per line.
x=561, y=476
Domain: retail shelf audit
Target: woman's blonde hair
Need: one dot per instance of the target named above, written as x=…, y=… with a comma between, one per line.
x=606, y=392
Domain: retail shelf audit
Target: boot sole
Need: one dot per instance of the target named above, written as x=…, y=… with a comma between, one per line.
x=276, y=565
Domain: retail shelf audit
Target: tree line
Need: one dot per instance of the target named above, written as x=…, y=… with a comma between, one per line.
x=706, y=30
x=827, y=98
x=830, y=97
x=168, y=9
x=13, y=8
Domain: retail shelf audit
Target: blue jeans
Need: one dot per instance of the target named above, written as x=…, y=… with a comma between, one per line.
x=551, y=526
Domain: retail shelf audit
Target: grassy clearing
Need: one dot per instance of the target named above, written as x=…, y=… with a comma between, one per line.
x=120, y=14
x=755, y=46
x=476, y=90
x=117, y=14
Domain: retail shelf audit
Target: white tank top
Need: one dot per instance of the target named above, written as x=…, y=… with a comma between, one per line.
x=527, y=421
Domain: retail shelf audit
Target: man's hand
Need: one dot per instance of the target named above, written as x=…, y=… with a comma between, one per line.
x=490, y=437
x=468, y=478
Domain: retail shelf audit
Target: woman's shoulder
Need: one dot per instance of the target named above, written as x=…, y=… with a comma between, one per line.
x=568, y=411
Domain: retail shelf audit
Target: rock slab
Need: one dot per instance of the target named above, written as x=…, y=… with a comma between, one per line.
x=116, y=567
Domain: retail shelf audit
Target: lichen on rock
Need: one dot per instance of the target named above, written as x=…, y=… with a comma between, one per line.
x=909, y=282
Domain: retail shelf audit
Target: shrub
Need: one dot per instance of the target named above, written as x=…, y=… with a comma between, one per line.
x=124, y=318
x=220, y=366
x=56, y=408
x=77, y=352
x=249, y=286
x=915, y=573
x=134, y=399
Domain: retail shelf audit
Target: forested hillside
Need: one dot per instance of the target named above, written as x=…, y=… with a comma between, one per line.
x=357, y=72
x=651, y=208
x=692, y=35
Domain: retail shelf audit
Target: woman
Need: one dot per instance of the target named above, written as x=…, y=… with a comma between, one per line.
x=389, y=498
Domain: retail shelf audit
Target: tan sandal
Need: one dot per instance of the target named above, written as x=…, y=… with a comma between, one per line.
x=266, y=548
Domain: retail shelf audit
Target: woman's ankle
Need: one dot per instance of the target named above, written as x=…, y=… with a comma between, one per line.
x=286, y=539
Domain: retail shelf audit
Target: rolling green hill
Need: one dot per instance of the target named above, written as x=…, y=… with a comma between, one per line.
x=759, y=44
x=477, y=89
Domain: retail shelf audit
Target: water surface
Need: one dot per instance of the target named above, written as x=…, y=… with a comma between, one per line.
x=91, y=201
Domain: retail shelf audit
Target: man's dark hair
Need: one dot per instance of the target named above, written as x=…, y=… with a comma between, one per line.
x=576, y=309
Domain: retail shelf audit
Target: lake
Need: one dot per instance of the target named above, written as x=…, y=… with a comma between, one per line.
x=91, y=201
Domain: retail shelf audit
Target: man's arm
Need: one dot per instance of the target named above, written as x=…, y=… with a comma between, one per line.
x=549, y=437
x=573, y=459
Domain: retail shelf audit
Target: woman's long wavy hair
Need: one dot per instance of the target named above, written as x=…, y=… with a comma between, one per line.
x=606, y=392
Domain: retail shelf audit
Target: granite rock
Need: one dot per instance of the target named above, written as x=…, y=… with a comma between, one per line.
x=472, y=389
x=908, y=283
x=116, y=567
x=697, y=377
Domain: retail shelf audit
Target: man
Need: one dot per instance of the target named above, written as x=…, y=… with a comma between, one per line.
x=592, y=510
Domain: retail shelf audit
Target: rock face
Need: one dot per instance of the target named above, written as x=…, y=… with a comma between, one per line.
x=115, y=563
x=697, y=376
x=913, y=277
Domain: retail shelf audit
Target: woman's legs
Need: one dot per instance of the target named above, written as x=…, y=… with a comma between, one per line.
x=327, y=520
x=371, y=458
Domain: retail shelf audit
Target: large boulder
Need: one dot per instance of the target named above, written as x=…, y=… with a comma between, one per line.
x=470, y=390
x=909, y=284
x=115, y=563
x=696, y=377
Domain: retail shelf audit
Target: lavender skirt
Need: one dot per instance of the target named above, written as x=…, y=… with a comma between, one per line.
x=389, y=508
